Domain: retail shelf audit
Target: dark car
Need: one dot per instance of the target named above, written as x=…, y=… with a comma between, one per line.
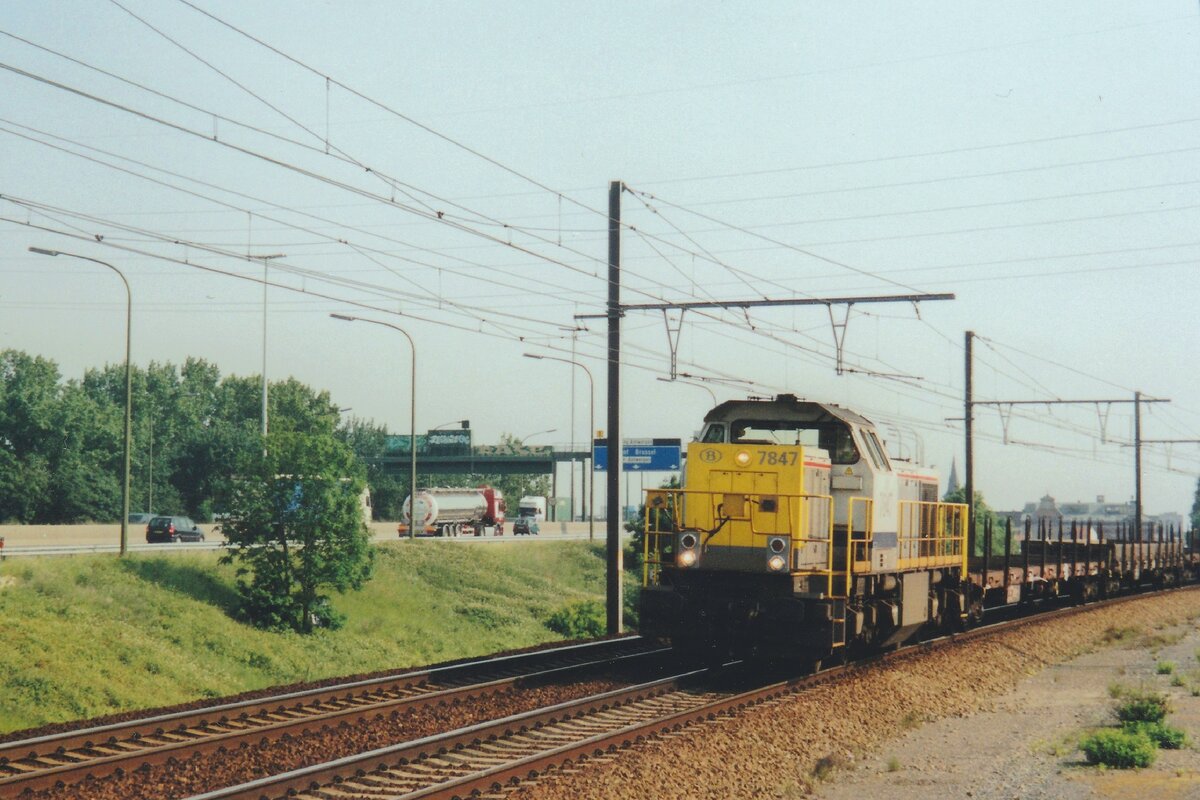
x=524, y=526
x=173, y=529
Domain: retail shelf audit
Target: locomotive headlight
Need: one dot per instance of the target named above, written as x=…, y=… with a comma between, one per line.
x=687, y=541
x=687, y=558
x=742, y=458
x=776, y=563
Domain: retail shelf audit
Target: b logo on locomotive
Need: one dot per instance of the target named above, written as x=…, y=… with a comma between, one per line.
x=710, y=455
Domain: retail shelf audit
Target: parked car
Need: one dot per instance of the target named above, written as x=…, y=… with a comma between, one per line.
x=173, y=529
x=526, y=526
x=140, y=519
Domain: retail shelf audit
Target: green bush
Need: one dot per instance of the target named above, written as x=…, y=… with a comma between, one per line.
x=1165, y=667
x=1123, y=749
x=1162, y=734
x=1144, y=707
x=582, y=620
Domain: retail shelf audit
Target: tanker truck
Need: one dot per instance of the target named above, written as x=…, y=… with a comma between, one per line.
x=455, y=512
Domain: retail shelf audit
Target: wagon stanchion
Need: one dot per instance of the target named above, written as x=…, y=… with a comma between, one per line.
x=1122, y=538
x=1143, y=550
x=1026, y=586
x=1061, y=554
x=1007, y=554
x=1077, y=532
x=1044, y=536
x=1156, y=534
x=1103, y=568
x=1088, y=551
x=1176, y=546
x=987, y=557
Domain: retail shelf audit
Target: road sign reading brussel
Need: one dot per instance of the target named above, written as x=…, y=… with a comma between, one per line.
x=641, y=455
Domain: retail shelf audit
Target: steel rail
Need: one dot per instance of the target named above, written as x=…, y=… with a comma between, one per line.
x=375, y=769
x=55, y=759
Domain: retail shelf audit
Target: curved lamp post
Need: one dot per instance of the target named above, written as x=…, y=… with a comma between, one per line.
x=521, y=441
x=128, y=383
x=412, y=439
x=591, y=434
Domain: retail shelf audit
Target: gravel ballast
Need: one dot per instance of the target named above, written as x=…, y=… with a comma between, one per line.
x=781, y=748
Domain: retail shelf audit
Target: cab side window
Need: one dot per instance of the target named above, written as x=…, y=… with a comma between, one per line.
x=874, y=444
x=839, y=443
x=714, y=434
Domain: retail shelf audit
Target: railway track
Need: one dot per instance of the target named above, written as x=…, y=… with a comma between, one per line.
x=63, y=759
x=487, y=757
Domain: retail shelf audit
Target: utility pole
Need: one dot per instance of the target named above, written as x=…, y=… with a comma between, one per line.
x=1137, y=463
x=613, y=519
x=968, y=423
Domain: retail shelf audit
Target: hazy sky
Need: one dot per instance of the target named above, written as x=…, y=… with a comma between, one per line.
x=445, y=167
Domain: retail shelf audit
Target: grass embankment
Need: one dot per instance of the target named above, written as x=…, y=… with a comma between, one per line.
x=91, y=635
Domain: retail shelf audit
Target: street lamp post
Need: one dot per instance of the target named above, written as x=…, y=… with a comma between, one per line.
x=591, y=433
x=266, y=284
x=150, y=481
x=521, y=441
x=128, y=383
x=412, y=438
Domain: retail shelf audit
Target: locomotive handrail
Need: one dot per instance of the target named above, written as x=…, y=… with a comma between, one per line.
x=868, y=530
x=940, y=534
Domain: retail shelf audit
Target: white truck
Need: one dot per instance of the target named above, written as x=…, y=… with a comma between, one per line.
x=534, y=507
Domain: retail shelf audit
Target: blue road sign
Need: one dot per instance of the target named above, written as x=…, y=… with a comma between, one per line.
x=654, y=455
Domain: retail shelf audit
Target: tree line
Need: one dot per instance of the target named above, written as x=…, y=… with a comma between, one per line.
x=61, y=440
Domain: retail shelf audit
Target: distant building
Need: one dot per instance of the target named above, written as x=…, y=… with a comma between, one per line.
x=1088, y=516
x=953, y=486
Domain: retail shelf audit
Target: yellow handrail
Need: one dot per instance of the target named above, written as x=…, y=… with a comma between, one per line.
x=932, y=534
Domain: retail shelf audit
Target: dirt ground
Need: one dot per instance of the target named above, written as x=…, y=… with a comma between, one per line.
x=1026, y=747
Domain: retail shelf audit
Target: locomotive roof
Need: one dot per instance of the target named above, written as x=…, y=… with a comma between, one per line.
x=784, y=406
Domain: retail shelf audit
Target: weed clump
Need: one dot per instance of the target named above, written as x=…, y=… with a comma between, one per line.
x=1163, y=735
x=829, y=764
x=1119, y=748
x=1144, y=707
x=583, y=620
x=1116, y=633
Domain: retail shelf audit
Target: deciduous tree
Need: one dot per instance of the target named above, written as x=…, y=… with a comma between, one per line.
x=296, y=532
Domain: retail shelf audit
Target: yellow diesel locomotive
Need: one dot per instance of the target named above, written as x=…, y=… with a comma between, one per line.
x=795, y=535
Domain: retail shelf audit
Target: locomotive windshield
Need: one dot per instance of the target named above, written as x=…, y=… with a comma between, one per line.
x=832, y=436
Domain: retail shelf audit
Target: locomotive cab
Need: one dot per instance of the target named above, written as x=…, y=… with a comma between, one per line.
x=794, y=531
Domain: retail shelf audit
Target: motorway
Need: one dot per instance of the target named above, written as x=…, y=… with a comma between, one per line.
x=45, y=540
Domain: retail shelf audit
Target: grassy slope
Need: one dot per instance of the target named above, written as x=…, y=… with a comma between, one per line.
x=92, y=635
